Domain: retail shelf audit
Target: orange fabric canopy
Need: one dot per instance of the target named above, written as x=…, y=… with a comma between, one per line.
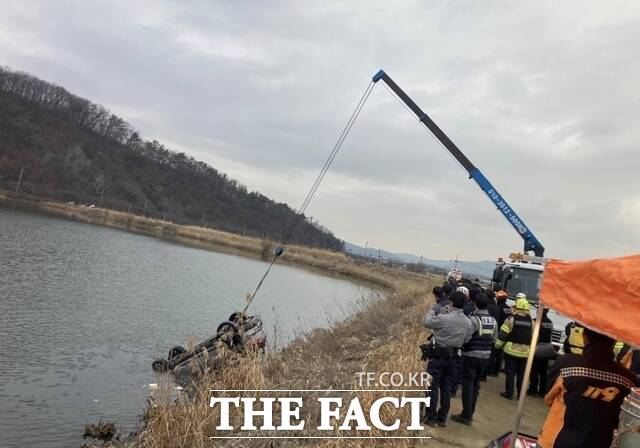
x=603, y=295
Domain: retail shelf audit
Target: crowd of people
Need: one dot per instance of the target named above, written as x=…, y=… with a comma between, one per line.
x=475, y=333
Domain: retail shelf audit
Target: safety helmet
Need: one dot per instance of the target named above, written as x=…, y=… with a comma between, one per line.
x=502, y=295
x=522, y=304
x=463, y=289
x=521, y=295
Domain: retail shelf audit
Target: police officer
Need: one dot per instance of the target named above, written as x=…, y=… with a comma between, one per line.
x=514, y=339
x=475, y=357
x=450, y=331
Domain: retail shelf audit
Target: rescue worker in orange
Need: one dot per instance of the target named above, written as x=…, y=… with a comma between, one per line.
x=585, y=398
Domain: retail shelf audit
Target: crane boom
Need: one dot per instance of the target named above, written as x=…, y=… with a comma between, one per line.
x=531, y=243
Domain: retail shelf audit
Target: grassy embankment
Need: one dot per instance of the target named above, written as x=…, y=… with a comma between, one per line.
x=381, y=335
x=331, y=262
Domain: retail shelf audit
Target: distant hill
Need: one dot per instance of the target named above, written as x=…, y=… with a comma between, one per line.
x=74, y=150
x=470, y=268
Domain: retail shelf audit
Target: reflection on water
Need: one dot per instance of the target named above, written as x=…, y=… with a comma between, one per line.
x=84, y=310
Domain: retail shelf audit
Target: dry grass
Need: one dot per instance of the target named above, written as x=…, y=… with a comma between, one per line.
x=326, y=261
x=383, y=335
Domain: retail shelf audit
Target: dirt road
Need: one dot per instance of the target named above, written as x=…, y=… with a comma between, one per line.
x=494, y=416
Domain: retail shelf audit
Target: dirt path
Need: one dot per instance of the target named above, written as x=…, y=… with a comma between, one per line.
x=494, y=416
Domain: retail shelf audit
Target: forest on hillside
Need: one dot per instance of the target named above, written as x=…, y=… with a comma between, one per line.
x=71, y=149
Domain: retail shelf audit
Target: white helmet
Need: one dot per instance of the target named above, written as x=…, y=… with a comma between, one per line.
x=463, y=290
x=521, y=295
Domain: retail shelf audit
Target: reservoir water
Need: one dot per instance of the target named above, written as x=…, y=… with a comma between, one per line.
x=85, y=309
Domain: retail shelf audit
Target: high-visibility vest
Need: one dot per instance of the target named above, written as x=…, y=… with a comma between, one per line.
x=575, y=339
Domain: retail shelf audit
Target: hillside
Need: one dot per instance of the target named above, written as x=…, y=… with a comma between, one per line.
x=470, y=268
x=74, y=150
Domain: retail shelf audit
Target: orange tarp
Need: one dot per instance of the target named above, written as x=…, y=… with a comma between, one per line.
x=603, y=295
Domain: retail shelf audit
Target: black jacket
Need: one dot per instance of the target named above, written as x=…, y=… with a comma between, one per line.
x=505, y=311
x=585, y=399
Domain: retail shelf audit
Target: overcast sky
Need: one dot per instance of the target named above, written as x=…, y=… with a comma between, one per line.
x=544, y=97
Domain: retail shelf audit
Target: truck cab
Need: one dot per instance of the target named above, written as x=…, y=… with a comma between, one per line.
x=524, y=274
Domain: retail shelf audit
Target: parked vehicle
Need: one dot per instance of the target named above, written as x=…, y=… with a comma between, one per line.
x=523, y=273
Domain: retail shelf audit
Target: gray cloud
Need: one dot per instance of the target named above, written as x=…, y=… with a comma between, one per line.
x=542, y=96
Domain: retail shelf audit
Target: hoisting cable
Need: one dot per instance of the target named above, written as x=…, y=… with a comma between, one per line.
x=316, y=184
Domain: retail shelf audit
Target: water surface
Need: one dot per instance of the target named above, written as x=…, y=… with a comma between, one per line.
x=85, y=309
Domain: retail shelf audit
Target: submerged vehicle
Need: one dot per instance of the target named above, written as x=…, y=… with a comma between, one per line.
x=239, y=333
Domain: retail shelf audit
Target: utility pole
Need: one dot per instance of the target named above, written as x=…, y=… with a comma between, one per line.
x=366, y=250
x=455, y=263
x=129, y=209
x=144, y=211
x=19, y=180
x=102, y=197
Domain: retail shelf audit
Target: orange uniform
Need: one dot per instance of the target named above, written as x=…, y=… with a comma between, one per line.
x=585, y=400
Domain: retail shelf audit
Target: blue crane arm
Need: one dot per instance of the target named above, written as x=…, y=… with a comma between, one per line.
x=531, y=243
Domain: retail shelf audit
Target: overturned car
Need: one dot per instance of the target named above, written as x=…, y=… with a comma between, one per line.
x=239, y=333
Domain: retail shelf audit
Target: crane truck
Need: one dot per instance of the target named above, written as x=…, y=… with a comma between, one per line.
x=523, y=273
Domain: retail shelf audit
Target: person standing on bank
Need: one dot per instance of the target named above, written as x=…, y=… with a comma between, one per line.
x=442, y=300
x=586, y=396
x=514, y=339
x=540, y=368
x=450, y=331
x=475, y=357
x=504, y=311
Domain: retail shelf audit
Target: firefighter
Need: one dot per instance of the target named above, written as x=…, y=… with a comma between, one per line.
x=450, y=331
x=514, y=339
x=504, y=311
x=627, y=356
x=573, y=342
x=586, y=397
x=475, y=357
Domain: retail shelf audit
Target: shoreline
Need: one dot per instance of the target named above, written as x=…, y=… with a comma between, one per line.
x=379, y=335
x=320, y=261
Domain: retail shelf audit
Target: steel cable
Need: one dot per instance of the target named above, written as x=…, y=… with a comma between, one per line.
x=316, y=184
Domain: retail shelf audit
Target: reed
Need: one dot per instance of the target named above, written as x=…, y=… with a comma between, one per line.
x=381, y=335
x=203, y=237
